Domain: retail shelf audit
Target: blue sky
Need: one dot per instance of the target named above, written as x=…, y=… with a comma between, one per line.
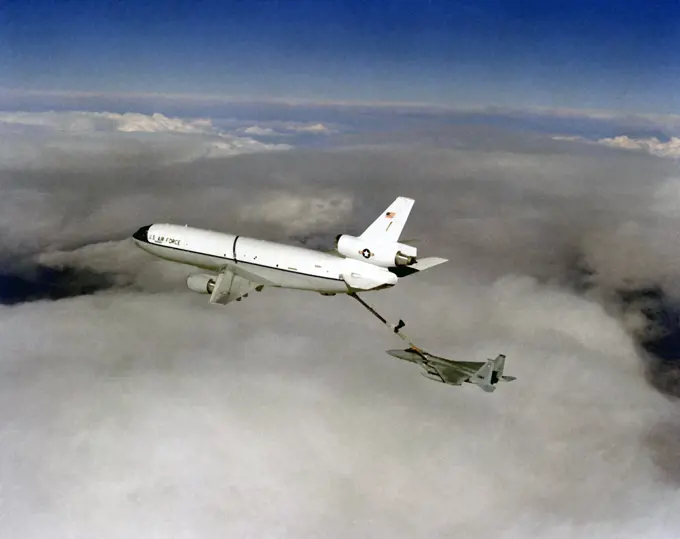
x=605, y=54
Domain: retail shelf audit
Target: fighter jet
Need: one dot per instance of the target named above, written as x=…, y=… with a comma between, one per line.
x=447, y=371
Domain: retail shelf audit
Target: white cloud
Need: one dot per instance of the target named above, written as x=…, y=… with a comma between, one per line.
x=279, y=128
x=37, y=139
x=297, y=213
x=653, y=145
x=317, y=128
x=573, y=138
x=142, y=414
x=76, y=121
x=158, y=123
x=261, y=131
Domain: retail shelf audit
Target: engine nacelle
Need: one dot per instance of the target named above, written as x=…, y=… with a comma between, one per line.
x=385, y=254
x=201, y=283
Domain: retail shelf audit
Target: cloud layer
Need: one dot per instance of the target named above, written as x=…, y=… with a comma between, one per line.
x=70, y=139
x=654, y=146
x=288, y=128
x=143, y=411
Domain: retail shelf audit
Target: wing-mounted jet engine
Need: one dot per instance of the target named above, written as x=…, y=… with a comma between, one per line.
x=201, y=283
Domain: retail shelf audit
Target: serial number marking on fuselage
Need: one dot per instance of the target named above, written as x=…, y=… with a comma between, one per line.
x=164, y=239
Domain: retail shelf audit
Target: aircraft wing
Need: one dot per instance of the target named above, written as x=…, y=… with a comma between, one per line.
x=249, y=273
x=439, y=368
x=231, y=287
x=452, y=374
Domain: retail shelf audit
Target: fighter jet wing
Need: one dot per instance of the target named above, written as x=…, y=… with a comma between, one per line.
x=439, y=368
x=450, y=374
x=231, y=287
x=485, y=375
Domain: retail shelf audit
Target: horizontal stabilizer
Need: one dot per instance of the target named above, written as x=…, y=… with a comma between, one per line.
x=427, y=263
x=421, y=265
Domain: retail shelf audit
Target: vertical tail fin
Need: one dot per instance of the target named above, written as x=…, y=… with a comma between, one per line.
x=491, y=373
x=499, y=364
x=484, y=376
x=498, y=367
x=391, y=222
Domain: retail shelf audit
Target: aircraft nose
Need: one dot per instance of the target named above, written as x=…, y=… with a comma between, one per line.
x=142, y=234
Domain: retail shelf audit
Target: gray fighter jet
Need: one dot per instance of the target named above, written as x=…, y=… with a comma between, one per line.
x=485, y=374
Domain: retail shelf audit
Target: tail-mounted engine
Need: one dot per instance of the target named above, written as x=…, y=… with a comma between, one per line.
x=385, y=254
x=201, y=283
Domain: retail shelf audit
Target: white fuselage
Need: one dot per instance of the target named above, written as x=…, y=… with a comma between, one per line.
x=274, y=264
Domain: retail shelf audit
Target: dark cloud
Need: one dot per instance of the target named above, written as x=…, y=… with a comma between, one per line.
x=38, y=282
x=142, y=410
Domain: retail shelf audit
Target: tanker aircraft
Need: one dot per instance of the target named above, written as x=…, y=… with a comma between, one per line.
x=375, y=260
